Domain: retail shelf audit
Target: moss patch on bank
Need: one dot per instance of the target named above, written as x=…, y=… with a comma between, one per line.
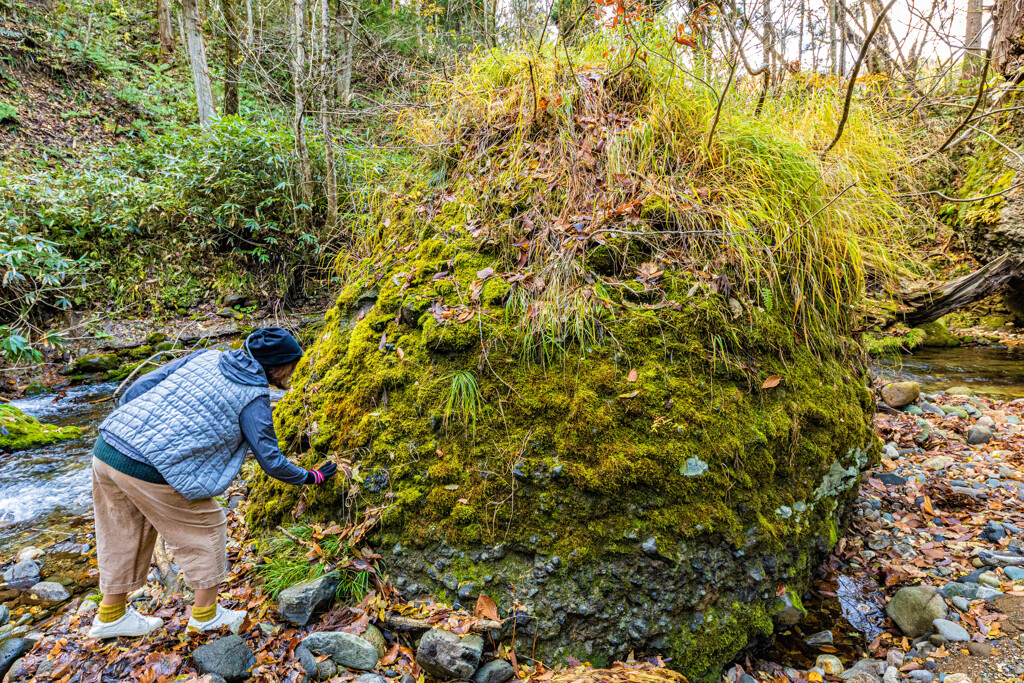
x=19, y=431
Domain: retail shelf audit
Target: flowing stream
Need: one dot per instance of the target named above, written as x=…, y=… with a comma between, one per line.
x=46, y=493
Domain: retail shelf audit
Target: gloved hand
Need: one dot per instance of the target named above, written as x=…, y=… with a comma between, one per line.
x=321, y=475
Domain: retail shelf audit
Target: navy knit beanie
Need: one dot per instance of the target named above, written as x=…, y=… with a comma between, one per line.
x=273, y=346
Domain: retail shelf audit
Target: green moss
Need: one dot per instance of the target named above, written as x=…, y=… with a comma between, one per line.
x=896, y=342
x=141, y=352
x=34, y=389
x=938, y=335
x=99, y=362
x=722, y=633
x=19, y=431
x=572, y=441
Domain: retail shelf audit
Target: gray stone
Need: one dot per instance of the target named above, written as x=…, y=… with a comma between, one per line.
x=964, y=590
x=695, y=467
x=979, y=649
x=48, y=591
x=344, y=649
x=308, y=662
x=300, y=602
x=11, y=651
x=819, y=638
x=498, y=671
x=900, y=394
x=985, y=593
x=922, y=676
x=787, y=613
x=895, y=658
x=447, y=655
x=5, y=614
x=961, y=603
x=1014, y=573
x=873, y=668
x=951, y=631
x=978, y=435
x=914, y=608
x=860, y=677
x=228, y=657
x=374, y=637
x=371, y=678
x=23, y=575
x=892, y=675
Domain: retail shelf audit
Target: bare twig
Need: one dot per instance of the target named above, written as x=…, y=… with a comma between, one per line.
x=977, y=103
x=721, y=100
x=853, y=76
x=960, y=201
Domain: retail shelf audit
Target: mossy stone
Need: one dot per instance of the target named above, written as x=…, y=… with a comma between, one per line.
x=98, y=362
x=555, y=468
x=19, y=431
x=937, y=335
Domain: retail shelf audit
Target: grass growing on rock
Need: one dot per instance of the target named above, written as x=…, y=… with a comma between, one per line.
x=583, y=321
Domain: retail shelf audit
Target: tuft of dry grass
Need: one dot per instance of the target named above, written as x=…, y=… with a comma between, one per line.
x=585, y=166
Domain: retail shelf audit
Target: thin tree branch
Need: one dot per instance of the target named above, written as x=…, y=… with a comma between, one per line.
x=853, y=76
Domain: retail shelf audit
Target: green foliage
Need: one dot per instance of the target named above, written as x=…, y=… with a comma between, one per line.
x=8, y=113
x=463, y=399
x=285, y=564
x=188, y=199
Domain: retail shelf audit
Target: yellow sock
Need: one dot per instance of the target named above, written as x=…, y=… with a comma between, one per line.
x=109, y=613
x=204, y=613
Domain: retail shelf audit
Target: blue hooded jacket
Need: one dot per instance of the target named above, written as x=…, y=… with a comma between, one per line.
x=255, y=420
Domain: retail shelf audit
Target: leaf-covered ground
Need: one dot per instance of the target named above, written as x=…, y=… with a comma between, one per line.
x=931, y=513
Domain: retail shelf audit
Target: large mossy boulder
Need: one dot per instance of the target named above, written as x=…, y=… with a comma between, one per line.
x=591, y=366
x=638, y=494
x=19, y=431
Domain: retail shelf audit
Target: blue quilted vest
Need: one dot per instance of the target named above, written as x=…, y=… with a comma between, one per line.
x=187, y=427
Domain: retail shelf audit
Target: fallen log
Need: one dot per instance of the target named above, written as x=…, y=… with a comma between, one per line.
x=928, y=305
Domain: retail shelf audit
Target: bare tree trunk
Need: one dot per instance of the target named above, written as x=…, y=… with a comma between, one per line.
x=163, y=21
x=197, y=58
x=231, y=56
x=972, y=40
x=841, y=19
x=325, y=122
x=299, y=94
x=802, y=18
x=248, y=23
x=833, y=20
x=1007, y=43
x=931, y=304
x=347, y=26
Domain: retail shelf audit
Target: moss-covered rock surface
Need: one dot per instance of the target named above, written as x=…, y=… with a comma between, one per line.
x=19, y=431
x=595, y=369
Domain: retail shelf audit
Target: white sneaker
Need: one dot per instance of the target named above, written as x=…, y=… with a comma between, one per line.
x=231, y=618
x=132, y=624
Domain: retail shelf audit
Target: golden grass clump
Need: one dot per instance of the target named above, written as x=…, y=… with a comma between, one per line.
x=594, y=167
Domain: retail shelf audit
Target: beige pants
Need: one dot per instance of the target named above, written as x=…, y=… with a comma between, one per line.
x=129, y=515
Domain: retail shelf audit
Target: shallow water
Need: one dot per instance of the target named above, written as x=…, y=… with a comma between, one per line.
x=996, y=371
x=45, y=491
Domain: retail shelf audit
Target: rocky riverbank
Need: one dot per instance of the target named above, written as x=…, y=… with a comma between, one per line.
x=936, y=540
